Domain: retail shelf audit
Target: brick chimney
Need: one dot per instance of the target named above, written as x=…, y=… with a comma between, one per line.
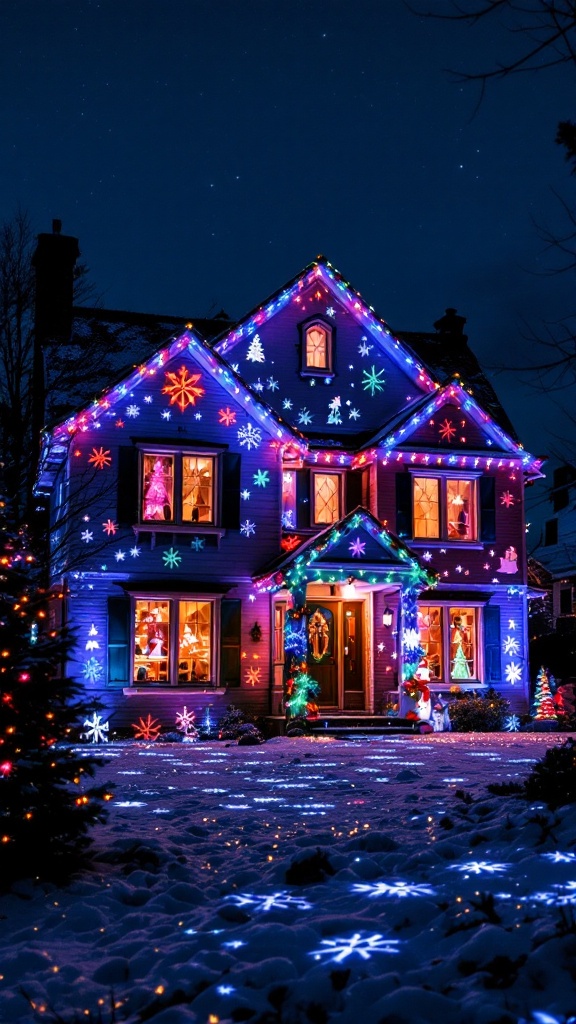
x=54, y=261
x=451, y=326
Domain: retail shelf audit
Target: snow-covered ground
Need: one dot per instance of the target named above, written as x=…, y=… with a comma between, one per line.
x=308, y=880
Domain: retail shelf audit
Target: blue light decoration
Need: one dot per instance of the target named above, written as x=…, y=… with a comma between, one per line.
x=207, y=723
x=400, y=889
x=479, y=867
x=359, y=944
x=277, y=900
x=96, y=729
x=512, y=723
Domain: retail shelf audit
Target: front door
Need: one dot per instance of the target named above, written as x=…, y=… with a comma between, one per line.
x=323, y=650
x=335, y=657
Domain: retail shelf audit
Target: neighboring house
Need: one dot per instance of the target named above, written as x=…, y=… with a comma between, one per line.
x=556, y=549
x=306, y=458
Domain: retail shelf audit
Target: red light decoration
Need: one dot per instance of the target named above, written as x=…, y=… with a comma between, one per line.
x=183, y=388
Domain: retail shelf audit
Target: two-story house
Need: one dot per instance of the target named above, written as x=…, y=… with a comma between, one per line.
x=306, y=458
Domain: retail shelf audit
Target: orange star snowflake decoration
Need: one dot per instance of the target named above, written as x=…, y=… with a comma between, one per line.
x=183, y=388
x=147, y=729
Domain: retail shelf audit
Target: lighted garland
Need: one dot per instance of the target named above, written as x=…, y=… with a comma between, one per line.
x=412, y=650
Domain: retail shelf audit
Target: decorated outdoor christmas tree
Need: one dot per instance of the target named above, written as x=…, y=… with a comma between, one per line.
x=543, y=707
x=46, y=805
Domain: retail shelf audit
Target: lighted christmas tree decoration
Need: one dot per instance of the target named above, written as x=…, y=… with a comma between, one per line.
x=255, y=351
x=147, y=728
x=543, y=705
x=183, y=388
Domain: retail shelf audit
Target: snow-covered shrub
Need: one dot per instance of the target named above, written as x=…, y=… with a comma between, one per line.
x=474, y=712
x=249, y=735
x=298, y=726
x=553, y=778
x=231, y=723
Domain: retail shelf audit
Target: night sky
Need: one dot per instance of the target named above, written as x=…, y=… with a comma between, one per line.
x=204, y=151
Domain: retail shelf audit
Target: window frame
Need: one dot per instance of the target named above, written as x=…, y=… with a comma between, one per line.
x=174, y=658
x=447, y=609
x=315, y=473
x=443, y=479
x=178, y=454
x=307, y=370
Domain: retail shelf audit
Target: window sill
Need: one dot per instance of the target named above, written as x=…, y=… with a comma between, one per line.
x=452, y=545
x=175, y=529
x=137, y=691
x=317, y=372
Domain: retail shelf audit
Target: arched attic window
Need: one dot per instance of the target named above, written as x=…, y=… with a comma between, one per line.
x=317, y=348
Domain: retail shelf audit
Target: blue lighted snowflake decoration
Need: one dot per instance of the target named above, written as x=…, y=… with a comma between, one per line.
x=560, y=858
x=281, y=900
x=373, y=380
x=357, y=944
x=171, y=558
x=250, y=436
x=394, y=888
x=511, y=646
x=261, y=478
x=357, y=548
x=478, y=867
x=197, y=543
x=247, y=528
x=512, y=723
x=96, y=729
x=513, y=672
x=92, y=670
x=564, y=897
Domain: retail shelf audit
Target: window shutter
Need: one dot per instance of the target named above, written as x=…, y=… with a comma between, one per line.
x=487, y=508
x=231, y=490
x=492, y=670
x=230, y=627
x=119, y=640
x=403, y=504
x=303, y=511
x=127, y=505
x=353, y=490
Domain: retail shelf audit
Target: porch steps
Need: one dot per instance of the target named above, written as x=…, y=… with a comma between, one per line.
x=356, y=726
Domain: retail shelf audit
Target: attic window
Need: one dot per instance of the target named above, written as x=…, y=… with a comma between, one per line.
x=317, y=356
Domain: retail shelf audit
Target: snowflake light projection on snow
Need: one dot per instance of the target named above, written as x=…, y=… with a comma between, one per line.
x=250, y=436
x=253, y=676
x=513, y=672
x=281, y=900
x=358, y=944
x=255, y=351
x=357, y=548
x=510, y=645
x=110, y=527
x=197, y=543
x=185, y=721
x=512, y=723
x=557, y=857
x=171, y=558
x=506, y=499
x=479, y=867
x=394, y=888
x=564, y=897
x=147, y=728
x=226, y=417
x=92, y=670
x=261, y=478
x=373, y=380
x=247, y=528
x=96, y=729
x=86, y=536
x=99, y=458
x=132, y=411
x=182, y=387
x=447, y=430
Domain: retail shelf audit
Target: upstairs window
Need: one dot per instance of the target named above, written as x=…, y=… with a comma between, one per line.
x=317, y=348
x=326, y=497
x=177, y=488
x=444, y=508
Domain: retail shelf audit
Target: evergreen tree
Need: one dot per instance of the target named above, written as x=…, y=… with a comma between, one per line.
x=46, y=802
x=543, y=707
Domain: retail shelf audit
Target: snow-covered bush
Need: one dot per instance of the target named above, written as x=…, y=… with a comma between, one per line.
x=474, y=712
x=553, y=779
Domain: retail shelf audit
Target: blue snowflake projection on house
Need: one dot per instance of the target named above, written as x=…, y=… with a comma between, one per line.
x=250, y=436
x=261, y=478
x=96, y=731
x=359, y=944
x=171, y=558
x=512, y=723
x=280, y=900
x=399, y=889
x=92, y=670
x=373, y=380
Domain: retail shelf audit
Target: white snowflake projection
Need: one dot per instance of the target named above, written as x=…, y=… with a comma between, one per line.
x=506, y=499
x=334, y=407
x=252, y=675
x=255, y=353
x=96, y=729
x=280, y=900
x=135, y=552
x=512, y=723
x=358, y=944
x=513, y=672
x=354, y=414
x=258, y=385
x=511, y=624
x=92, y=670
x=166, y=414
x=197, y=415
x=427, y=556
x=272, y=385
x=261, y=478
x=312, y=382
x=110, y=527
x=132, y=411
x=91, y=643
x=511, y=646
x=479, y=867
x=247, y=528
x=564, y=897
x=287, y=404
x=185, y=721
x=331, y=312
x=87, y=536
x=373, y=380
x=245, y=495
x=250, y=436
x=197, y=543
x=394, y=888
x=288, y=519
x=557, y=857
x=364, y=349
x=226, y=417
x=120, y=555
x=171, y=558
x=148, y=399
x=411, y=639
x=305, y=417
x=357, y=548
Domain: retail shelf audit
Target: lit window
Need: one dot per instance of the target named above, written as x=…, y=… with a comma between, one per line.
x=194, y=641
x=197, y=489
x=151, y=641
x=449, y=639
x=173, y=641
x=177, y=488
x=444, y=508
x=158, y=487
x=317, y=348
x=326, y=497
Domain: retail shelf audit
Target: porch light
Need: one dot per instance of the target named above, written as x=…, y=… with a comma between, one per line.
x=387, y=617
